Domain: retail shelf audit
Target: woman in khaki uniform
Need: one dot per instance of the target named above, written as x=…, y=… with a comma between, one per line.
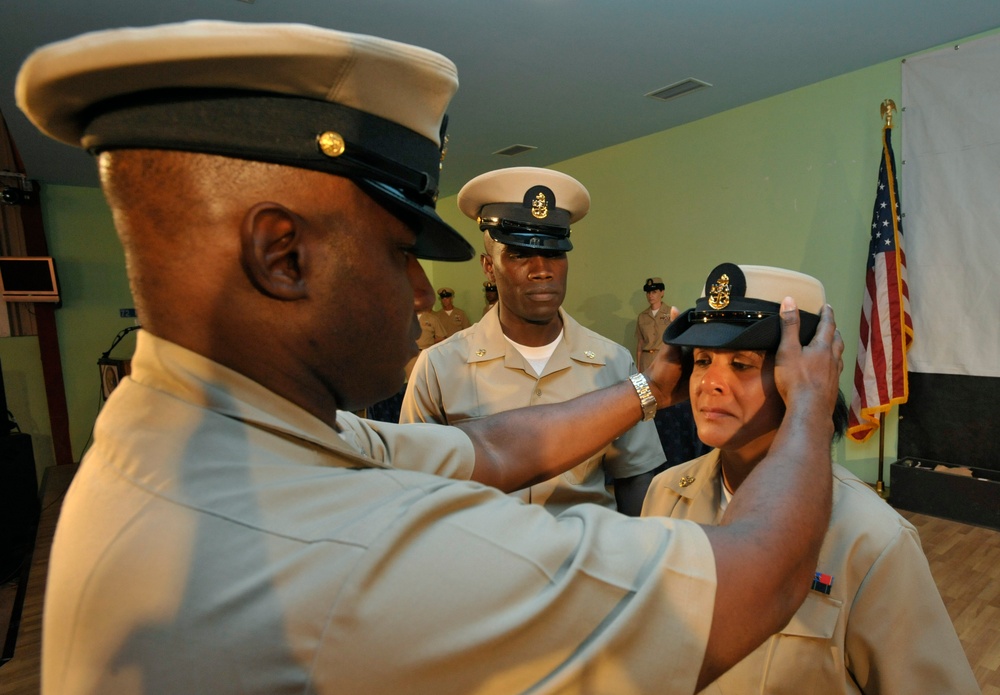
x=674, y=425
x=651, y=323
x=873, y=621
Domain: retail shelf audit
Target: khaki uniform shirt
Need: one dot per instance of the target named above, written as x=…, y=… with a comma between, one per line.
x=457, y=321
x=649, y=334
x=883, y=627
x=219, y=539
x=431, y=331
x=477, y=372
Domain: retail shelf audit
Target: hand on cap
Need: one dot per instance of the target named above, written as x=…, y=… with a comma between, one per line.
x=667, y=376
x=812, y=370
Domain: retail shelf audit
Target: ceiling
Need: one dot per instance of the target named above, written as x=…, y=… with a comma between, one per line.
x=565, y=76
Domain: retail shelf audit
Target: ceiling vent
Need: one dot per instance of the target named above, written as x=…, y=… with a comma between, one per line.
x=515, y=149
x=677, y=89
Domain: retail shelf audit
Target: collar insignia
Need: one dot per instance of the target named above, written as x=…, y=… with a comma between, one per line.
x=686, y=480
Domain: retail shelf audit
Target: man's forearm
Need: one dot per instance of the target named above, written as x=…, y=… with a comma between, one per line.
x=521, y=447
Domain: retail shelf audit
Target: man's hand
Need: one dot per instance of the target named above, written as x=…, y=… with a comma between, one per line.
x=811, y=370
x=667, y=375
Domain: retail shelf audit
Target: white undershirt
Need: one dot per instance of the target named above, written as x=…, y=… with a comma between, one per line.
x=727, y=496
x=537, y=357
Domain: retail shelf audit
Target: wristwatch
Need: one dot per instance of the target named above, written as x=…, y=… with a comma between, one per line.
x=646, y=399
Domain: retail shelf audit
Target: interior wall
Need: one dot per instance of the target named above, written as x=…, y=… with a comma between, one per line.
x=788, y=181
x=785, y=181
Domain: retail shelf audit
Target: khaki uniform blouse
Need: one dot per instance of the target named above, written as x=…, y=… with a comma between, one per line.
x=649, y=334
x=479, y=373
x=883, y=627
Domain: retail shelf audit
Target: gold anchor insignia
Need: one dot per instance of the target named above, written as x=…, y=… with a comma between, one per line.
x=540, y=206
x=589, y=354
x=686, y=480
x=480, y=352
x=718, y=298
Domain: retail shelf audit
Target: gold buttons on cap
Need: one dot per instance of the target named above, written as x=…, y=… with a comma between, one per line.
x=686, y=480
x=331, y=143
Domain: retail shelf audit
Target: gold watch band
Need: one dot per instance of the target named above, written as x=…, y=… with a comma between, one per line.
x=646, y=399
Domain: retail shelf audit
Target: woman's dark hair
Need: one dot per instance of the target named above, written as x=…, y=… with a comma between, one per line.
x=839, y=416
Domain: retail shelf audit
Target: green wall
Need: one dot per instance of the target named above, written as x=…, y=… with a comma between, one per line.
x=93, y=287
x=786, y=181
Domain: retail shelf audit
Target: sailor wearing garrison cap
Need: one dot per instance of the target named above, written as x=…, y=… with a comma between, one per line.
x=529, y=350
x=235, y=527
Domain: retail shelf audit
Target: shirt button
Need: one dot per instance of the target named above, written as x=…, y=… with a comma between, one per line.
x=538, y=392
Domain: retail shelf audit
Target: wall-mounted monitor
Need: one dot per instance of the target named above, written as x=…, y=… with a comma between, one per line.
x=28, y=279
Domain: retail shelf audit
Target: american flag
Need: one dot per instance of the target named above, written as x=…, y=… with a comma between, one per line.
x=886, y=327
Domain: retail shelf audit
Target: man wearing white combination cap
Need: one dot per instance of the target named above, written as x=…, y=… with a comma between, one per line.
x=235, y=529
x=529, y=350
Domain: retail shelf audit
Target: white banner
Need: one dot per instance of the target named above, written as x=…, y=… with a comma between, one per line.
x=950, y=198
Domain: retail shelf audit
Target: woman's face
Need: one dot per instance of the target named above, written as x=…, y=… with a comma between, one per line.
x=736, y=405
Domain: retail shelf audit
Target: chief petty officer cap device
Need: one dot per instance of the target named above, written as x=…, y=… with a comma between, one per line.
x=357, y=106
x=739, y=309
x=528, y=207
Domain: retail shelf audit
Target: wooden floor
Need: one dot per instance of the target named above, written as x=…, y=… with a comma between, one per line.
x=965, y=562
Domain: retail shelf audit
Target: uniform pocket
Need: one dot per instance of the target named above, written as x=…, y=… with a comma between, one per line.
x=807, y=656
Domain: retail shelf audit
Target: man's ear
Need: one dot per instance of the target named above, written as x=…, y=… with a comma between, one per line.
x=272, y=251
x=487, y=262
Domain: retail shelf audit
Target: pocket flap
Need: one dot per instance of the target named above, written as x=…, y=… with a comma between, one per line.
x=817, y=617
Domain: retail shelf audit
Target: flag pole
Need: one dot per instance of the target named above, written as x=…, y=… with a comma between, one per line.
x=879, y=487
x=886, y=109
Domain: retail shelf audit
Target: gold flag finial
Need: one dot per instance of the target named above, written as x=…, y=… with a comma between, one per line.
x=888, y=106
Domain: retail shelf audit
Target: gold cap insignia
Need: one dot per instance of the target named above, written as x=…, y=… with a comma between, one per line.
x=686, y=480
x=540, y=206
x=718, y=297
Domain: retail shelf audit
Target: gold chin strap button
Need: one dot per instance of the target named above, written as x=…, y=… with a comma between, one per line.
x=331, y=143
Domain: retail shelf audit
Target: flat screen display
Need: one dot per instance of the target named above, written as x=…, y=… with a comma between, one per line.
x=28, y=279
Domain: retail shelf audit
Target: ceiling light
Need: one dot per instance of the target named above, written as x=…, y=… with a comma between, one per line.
x=677, y=89
x=515, y=149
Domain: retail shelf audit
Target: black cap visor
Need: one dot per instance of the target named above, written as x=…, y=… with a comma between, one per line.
x=756, y=327
x=396, y=166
